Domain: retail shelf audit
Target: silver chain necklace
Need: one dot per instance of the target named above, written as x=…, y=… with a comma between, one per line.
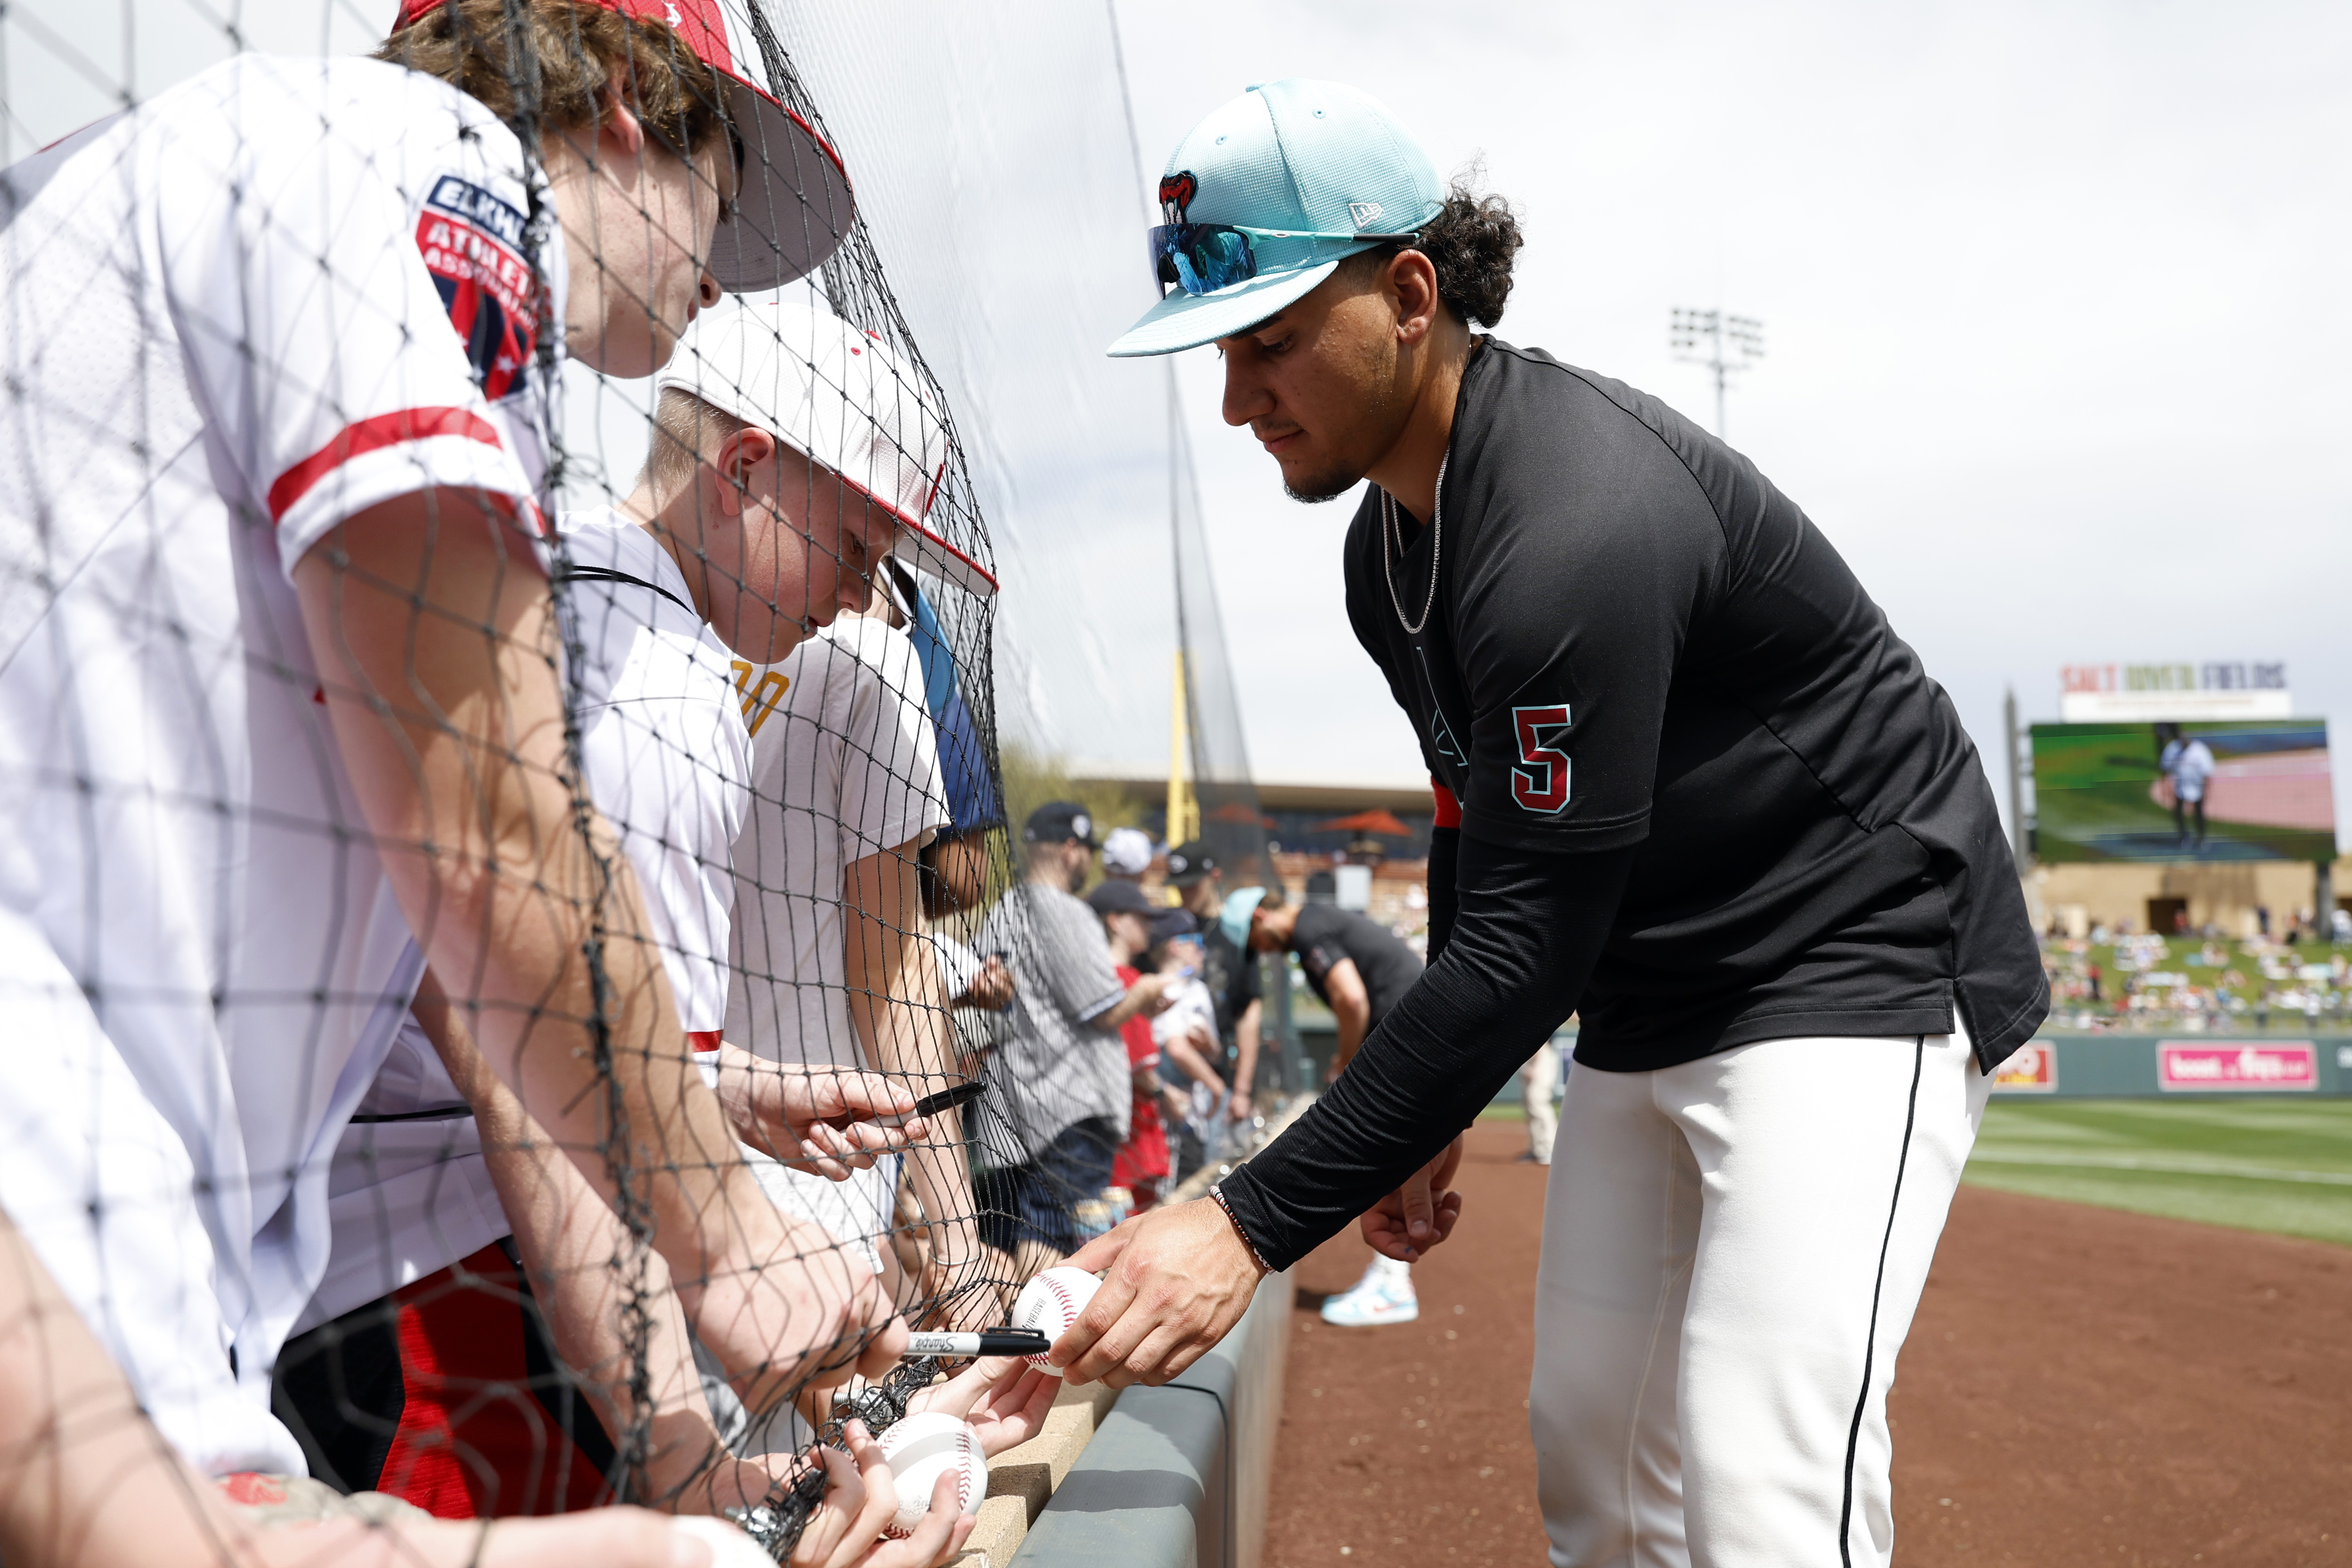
x=1391, y=531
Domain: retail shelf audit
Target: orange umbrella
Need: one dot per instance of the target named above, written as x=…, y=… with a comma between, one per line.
x=1365, y=821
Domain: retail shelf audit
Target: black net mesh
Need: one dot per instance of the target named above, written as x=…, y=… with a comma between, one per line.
x=495, y=851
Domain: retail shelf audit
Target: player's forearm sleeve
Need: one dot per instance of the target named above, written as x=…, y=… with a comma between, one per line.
x=1528, y=930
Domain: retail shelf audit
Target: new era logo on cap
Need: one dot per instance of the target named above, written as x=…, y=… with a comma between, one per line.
x=1282, y=185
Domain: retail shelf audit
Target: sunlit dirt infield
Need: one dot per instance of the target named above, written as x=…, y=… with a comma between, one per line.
x=2082, y=1386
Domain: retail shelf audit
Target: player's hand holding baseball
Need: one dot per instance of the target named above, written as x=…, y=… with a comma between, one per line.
x=1180, y=1278
x=1419, y=1214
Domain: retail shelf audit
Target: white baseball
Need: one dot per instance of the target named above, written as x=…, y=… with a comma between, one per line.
x=1051, y=1302
x=920, y=1448
x=730, y=1546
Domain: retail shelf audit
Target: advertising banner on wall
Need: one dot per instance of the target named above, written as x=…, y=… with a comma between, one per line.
x=2032, y=1070
x=2214, y=790
x=2204, y=1066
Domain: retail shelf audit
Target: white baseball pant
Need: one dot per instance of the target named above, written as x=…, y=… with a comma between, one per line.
x=1733, y=1249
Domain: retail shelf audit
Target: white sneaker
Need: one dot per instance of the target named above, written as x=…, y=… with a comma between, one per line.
x=1384, y=1295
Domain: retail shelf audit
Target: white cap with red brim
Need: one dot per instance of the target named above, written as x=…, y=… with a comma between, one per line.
x=794, y=204
x=836, y=395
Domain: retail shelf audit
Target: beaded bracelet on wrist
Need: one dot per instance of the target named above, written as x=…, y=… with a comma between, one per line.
x=1217, y=1191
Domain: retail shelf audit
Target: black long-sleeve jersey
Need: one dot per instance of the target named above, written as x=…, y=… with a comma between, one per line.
x=1708, y=795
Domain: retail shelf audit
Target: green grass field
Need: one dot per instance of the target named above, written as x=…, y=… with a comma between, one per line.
x=2281, y=1165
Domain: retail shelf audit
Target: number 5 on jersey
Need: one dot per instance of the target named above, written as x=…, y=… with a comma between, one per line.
x=1539, y=783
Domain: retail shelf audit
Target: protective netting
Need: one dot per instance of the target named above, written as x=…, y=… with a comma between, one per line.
x=519, y=974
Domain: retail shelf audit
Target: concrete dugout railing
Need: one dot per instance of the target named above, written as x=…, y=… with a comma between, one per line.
x=1177, y=1476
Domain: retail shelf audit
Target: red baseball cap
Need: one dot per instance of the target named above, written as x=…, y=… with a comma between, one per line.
x=795, y=204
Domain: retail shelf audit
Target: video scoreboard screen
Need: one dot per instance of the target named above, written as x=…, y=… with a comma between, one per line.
x=2252, y=789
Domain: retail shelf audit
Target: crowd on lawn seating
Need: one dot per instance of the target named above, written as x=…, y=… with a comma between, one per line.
x=2119, y=980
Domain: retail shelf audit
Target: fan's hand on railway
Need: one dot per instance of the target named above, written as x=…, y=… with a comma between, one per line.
x=1419, y=1214
x=1180, y=1278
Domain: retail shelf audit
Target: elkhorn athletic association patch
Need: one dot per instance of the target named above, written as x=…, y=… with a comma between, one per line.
x=471, y=241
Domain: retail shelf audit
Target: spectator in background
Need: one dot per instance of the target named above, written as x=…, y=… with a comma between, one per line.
x=1127, y=853
x=1142, y=1163
x=2187, y=762
x=954, y=864
x=1190, y=1052
x=1062, y=1090
x=1228, y=971
x=1360, y=969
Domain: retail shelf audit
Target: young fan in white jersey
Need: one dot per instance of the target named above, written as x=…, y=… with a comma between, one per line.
x=422, y=1211
x=668, y=760
x=242, y=759
x=836, y=971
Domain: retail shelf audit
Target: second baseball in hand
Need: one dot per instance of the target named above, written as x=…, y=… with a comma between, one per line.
x=1051, y=1302
x=920, y=1448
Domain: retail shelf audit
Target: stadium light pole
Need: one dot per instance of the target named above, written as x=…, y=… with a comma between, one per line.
x=2020, y=846
x=1726, y=344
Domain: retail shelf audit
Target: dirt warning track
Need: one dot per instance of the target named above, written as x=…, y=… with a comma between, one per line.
x=2081, y=1387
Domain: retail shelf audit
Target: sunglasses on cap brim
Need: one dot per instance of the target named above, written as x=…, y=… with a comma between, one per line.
x=1203, y=258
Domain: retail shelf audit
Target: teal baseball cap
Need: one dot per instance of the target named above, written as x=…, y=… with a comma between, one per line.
x=1234, y=919
x=1265, y=196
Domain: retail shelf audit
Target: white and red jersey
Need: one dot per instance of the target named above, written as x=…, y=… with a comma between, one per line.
x=663, y=745
x=275, y=295
x=667, y=759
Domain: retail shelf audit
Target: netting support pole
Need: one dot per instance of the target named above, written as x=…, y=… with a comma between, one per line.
x=1181, y=810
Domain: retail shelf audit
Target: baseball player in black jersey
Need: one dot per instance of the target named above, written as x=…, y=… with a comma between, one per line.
x=1690, y=785
x=1360, y=969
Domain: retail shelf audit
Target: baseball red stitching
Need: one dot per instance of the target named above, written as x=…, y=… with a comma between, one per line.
x=1069, y=1309
x=967, y=1446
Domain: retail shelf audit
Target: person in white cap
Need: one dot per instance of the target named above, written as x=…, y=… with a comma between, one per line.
x=791, y=451
x=835, y=968
x=425, y=1194
x=1127, y=853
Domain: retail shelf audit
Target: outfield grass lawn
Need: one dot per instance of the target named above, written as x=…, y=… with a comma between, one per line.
x=2274, y=1164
